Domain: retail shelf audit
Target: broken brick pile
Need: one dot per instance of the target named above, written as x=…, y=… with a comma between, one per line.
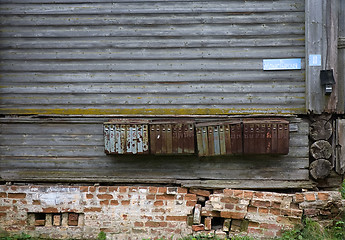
x=132, y=212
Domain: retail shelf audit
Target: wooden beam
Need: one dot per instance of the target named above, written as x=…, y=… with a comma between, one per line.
x=321, y=40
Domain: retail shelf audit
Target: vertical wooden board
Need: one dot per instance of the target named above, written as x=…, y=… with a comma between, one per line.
x=118, y=138
x=106, y=133
x=216, y=140
x=185, y=139
x=268, y=141
x=134, y=139
x=200, y=147
x=205, y=141
x=227, y=139
x=123, y=139
x=139, y=138
x=274, y=138
x=175, y=139
x=169, y=139
x=158, y=139
x=191, y=139
x=210, y=140
x=163, y=139
x=153, y=139
x=128, y=136
x=180, y=142
x=222, y=139
x=145, y=131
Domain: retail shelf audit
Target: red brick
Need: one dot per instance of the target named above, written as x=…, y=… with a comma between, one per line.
x=210, y=213
x=238, y=193
x=84, y=188
x=323, y=196
x=190, y=197
x=105, y=196
x=150, y=197
x=158, y=203
x=263, y=210
x=253, y=224
x=92, y=189
x=252, y=209
x=36, y=202
x=155, y=224
x=270, y=234
x=229, y=200
x=228, y=192
x=40, y=222
x=113, y=189
x=3, y=195
x=176, y=218
x=230, y=206
x=50, y=210
x=248, y=194
x=259, y=203
x=285, y=212
x=208, y=223
x=125, y=202
x=276, y=204
x=89, y=196
x=23, y=202
x=200, y=192
x=190, y=203
x=182, y=190
x=17, y=195
x=123, y=189
x=102, y=189
x=258, y=194
x=104, y=202
x=270, y=226
x=297, y=213
x=93, y=209
x=162, y=190
x=138, y=224
x=2, y=215
x=254, y=230
x=165, y=197
x=233, y=215
x=153, y=189
x=197, y=228
x=275, y=211
x=114, y=202
x=309, y=197
x=4, y=208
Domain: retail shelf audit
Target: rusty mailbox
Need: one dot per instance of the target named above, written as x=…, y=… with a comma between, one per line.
x=126, y=136
x=219, y=138
x=265, y=136
x=172, y=137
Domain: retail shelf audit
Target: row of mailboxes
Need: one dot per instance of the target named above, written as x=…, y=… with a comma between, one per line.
x=262, y=136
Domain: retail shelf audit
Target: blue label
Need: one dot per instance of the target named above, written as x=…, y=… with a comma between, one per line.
x=282, y=64
x=314, y=60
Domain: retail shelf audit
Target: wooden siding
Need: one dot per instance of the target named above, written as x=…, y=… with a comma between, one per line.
x=150, y=57
x=70, y=150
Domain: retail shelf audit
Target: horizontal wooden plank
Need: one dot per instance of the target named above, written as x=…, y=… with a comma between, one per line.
x=131, y=54
x=152, y=42
x=247, y=184
x=156, y=30
x=85, y=151
x=149, y=19
x=138, y=65
x=154, y=88
x=152, y=7
x=279, y=77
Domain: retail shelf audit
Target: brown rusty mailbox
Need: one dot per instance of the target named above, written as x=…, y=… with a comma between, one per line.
x=126, y=136
x=219, y=138
x=265, y=136
x=172, y=137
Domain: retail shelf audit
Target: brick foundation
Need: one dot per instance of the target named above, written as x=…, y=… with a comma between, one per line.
x=128, y=212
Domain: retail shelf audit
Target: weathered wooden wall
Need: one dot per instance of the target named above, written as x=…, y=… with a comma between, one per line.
x=70, y=150
x=150, y=57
